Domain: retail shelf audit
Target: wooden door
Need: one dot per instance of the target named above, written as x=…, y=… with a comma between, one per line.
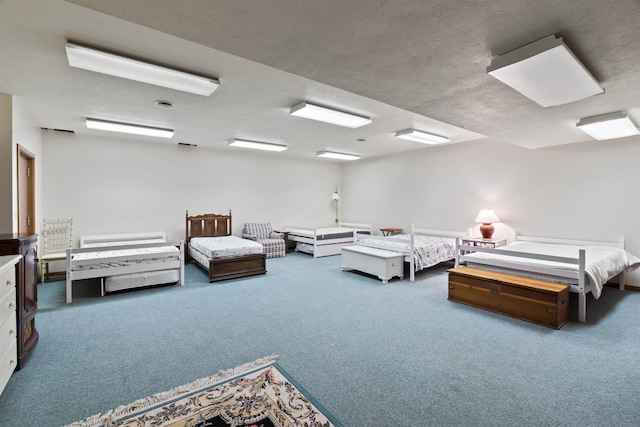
x=26, y=192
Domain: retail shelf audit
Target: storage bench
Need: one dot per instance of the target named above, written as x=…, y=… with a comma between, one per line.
x=378, y=262
x=537, y=301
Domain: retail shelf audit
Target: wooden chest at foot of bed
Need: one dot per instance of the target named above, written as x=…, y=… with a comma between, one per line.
x=536, y=301
x=232, y=267
x=378, y=262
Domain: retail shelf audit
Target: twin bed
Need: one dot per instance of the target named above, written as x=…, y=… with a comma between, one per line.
x=125, y=261
x=211, y=245
x=321, y=242
x=583, y=265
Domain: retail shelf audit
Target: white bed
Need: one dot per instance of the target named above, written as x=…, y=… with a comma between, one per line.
x=126, y=261
x=422, y=248
x=584, y=265
x=326, y=241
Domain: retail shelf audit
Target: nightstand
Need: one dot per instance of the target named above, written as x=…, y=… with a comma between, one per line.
x=390, y=231
x=287, y=247
x=484, y=243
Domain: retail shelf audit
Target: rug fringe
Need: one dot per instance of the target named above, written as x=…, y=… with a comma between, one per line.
x=109, y=418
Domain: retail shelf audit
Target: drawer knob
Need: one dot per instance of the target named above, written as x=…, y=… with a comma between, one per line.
x=12, y=331
x=12, y=362
x=9, y=282
x=12, y=304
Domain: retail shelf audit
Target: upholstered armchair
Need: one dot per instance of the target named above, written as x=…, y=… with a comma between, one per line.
x=273, y=242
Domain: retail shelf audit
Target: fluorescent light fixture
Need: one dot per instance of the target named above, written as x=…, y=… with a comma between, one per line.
x=335, y=155
x=128, y=128
x=608, y=126
x=108, y=63
x=328, y=115
x=546, y=72
x=419, y=136
x=257, y=145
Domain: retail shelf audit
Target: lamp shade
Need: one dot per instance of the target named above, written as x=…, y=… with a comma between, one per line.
x=487, y=216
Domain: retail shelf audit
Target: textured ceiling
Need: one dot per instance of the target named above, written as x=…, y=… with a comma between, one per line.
x=404, y=63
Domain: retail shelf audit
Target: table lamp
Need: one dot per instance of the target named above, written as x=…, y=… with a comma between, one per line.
x=487, y=217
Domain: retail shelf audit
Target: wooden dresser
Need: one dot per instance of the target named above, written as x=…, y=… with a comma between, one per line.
x=24, y=244
x=537, y=301
x=8, y=330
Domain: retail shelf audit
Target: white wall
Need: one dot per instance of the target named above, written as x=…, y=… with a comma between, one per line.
x=16, y=128
x=6, y=178
x=110, y=185
x=29, y=137
x=581, y=191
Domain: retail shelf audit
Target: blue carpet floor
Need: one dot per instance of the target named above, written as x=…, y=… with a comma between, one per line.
x=396, y=354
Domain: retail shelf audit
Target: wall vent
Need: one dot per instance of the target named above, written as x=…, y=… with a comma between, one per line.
x=58, y=130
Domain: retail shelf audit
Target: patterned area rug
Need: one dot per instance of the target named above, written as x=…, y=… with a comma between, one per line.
x=257, y=394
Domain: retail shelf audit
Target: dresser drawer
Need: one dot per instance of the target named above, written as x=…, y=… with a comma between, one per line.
x=8, y=306
x=7, y=334
x=7, y=282
x=8, y=364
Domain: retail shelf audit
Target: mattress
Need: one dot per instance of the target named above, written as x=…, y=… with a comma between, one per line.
x=124, y=257
x=602, y=263
x=138, y=280
x=323, y=233
x=223, y=246
x=429, y=250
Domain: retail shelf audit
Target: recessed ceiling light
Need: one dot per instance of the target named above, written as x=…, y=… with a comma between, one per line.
x=328, y=115
x=608, y=126
x=336, y=155
x=128, y=128
x=163, y=104
x=422, y=137
x=257, y=145
x=545, y=71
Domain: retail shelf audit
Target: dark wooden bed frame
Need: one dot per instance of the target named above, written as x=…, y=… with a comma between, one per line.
x=222, y=268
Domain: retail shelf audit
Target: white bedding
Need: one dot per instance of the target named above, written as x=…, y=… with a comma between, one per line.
x=214, y=247
x=602, y=263
x=428, y=250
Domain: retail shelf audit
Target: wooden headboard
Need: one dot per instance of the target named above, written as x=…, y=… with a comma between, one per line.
x=207, y=225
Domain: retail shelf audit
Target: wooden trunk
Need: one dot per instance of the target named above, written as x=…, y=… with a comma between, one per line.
x=536, y=301
x=237, y=266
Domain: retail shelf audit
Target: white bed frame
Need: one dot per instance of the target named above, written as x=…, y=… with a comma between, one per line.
x=327, y=247
x=411, y=242
x=117, y=242
x=582, y=288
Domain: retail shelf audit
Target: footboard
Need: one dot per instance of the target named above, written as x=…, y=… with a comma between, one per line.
x=233, y=267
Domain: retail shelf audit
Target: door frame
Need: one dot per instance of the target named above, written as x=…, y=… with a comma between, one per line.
x=30, y=189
